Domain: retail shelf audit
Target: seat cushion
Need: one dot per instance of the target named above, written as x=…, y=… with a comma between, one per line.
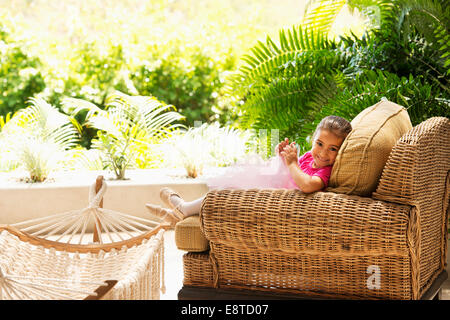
x=189, y=236
x=364, y=152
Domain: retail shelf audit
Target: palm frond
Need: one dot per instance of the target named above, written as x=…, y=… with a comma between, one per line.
x=73, y=106
x=108, y=122
x=42, y=136
x=4, y=120
x=288, y=92
x=127, y=128
x=443, y=39
x=44, y=120
x=148, y=113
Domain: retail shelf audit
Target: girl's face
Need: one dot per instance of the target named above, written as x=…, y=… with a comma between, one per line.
x=325, y=148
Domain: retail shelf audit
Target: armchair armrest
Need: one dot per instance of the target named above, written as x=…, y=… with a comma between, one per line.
x=417, y=173
x=291, y=221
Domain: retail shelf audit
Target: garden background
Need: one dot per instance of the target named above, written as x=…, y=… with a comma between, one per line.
x=123, y=84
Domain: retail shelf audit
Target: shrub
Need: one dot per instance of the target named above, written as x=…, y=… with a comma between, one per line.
x=94, y=73
x=185, y=76
x=20, y=75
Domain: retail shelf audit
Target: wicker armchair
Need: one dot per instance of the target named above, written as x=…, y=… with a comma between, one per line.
x=392, y=245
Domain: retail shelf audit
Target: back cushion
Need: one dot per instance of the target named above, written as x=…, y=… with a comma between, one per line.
x=364, y=152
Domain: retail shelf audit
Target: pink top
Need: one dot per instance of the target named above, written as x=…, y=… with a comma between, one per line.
x=305, y=163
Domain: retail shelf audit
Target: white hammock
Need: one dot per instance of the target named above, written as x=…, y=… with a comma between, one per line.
x=14, y=287
x=126, y=248
x=72, y=226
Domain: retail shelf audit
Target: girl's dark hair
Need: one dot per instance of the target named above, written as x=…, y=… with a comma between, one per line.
x=338, y=125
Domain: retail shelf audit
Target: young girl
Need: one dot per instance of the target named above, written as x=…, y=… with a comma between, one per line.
x=309, y=174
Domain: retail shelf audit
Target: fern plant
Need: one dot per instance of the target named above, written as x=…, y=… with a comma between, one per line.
x=413, y=93
x=4, y=120
x=290, y=86
x=265, y=58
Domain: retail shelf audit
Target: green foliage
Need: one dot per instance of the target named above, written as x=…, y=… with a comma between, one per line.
x=289, y=84
x=421, y=99
x=20, y=75
x=95, y=72
x=267, y=58
x=320, y=15
x=293, y=85
x=402, y=47
x=178, y=51
x=4, y=120
x=185, y=76
x=126, y=127
x=37, y=139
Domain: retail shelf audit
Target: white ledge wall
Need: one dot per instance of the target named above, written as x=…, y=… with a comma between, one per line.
x=70, y=191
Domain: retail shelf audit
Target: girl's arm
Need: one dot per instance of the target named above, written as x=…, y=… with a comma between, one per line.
x=304, y=181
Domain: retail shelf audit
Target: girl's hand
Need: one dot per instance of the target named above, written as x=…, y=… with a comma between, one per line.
x=280, y=147
x=289, y=154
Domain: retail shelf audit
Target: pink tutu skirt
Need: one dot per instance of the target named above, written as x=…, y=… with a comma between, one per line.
x=253, y=172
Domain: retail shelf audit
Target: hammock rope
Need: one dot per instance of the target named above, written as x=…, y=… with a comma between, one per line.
x=68, y=255
x=16, y=287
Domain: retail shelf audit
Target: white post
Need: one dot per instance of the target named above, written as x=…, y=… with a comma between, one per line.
x=274, y=140
x=263, y=151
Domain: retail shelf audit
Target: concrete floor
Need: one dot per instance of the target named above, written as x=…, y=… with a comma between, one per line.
x=446, y=285
x=173, y=263
x=174, y=269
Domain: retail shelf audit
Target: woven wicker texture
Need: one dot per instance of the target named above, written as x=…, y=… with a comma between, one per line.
x=327, y=244
x=138, y=269
x=364, y=152
x=320, y=244
x=417, y=174
x=189, y=236
x=198, y=270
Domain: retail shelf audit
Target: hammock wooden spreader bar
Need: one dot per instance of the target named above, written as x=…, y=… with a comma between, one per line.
x=81, y=248
x=69, y=230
